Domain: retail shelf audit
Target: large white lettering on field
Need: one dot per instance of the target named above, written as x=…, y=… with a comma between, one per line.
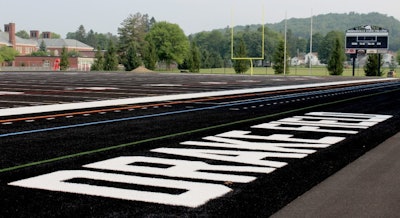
x=179, y=168
x=366, y=117
x=245, y=157
x=195, y=195
x=325, y=141
x=263, y=146
x=238, y=156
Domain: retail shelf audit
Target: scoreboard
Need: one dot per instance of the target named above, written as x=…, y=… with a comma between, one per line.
x=367, y=38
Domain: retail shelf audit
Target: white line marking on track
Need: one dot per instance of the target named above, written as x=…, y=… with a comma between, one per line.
x=11, y=93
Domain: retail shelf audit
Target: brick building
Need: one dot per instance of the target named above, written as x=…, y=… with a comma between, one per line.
x=23, y=46
x=54, y=46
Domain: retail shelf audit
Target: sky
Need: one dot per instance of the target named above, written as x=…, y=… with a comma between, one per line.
x=103, y=16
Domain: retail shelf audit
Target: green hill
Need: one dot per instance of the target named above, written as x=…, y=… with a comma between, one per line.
x=323, y=24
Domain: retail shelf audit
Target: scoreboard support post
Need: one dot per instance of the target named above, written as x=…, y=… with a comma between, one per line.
x=354, y=57
x=379, y=63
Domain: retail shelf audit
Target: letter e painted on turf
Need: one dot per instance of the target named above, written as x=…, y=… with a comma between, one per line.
x=196, y=195
x=179, y=168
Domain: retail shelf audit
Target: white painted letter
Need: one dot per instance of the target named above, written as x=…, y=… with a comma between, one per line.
x=246, y=157
x=299, y=127
x=261, y=146
x=179, y=168
x=330, y=140
x=196, y=195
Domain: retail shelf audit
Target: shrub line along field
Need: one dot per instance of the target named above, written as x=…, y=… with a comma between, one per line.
x=295, y=71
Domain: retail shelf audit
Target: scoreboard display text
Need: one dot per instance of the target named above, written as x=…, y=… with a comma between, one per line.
x=367, y=40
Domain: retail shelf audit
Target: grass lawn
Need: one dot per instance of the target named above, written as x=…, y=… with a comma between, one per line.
x=294, y=71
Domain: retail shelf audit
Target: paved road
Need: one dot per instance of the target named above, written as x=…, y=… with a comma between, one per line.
x=207, y=156
x=368, y=187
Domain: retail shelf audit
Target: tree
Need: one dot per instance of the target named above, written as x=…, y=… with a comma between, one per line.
x=23, y=34
x=98, y=64
x=398, y=56
x=53, y=36
x=42, y=50
x=111, y=58
x=337, y=57
x=327, y=46
x=171, y=42
x=92, y=38
x=74, y=53
x=194, y=58
x=205, y=59
x=371, y=67
x=64, y=63
x=7, y=54
x=133, y=30
x=291, y=40
x=80, y=34
x=43, y=46
x=216, y=60
x=392, y=64
x=317, y=41
x=102, y=40
x=132, y=59
x=241, y=66
x=150, y=56
x=279, y=59
x=214, y=43
x=272, y=39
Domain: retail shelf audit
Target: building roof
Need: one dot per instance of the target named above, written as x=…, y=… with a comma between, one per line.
x=59, y=43
x=53, y=43
x=5, y=40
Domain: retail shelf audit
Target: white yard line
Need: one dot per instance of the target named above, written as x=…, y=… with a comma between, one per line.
x=141, y=100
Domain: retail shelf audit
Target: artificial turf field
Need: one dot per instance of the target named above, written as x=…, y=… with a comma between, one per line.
x=183, y=126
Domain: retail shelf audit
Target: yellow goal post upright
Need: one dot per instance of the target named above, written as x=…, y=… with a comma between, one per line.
x=262, y=43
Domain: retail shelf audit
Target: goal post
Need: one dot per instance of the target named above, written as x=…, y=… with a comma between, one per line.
x=262, y=43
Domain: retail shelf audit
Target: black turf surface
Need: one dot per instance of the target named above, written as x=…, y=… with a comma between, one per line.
x=260, y=198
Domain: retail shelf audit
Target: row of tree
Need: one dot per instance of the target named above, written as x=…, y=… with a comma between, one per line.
x=142, y=40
